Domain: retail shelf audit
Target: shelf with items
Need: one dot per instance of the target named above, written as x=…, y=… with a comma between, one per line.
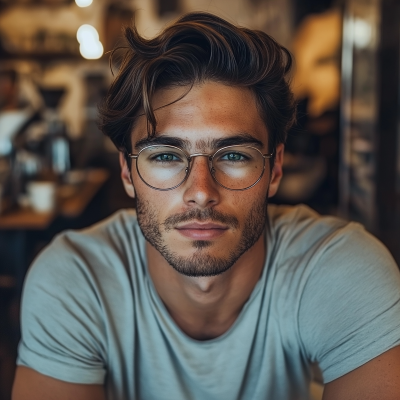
x=43, y=45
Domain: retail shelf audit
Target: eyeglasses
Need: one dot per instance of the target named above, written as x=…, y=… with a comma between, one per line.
x=164, y=167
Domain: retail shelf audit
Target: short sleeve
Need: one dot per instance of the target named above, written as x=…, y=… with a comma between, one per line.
x=62, y=329
x=350, y=309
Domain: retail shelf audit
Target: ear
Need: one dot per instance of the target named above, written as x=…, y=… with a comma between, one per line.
x=126, y=176
x=276, y=175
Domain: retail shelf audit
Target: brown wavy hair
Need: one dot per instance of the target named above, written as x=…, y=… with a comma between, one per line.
x=198, y=47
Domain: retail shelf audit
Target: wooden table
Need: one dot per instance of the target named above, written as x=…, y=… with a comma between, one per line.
x=70, y=206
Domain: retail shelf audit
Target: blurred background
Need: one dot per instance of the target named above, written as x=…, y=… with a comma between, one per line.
x=57, y=171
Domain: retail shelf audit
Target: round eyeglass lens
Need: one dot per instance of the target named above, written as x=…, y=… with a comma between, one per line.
x=238, y=167
x=162, y=167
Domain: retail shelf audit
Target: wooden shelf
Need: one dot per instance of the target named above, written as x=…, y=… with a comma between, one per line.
x=4, y=4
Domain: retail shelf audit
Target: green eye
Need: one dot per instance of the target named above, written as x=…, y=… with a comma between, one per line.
x=166, y=157
x=233, y=157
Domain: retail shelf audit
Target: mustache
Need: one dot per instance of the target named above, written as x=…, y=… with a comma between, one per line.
x=208, y=214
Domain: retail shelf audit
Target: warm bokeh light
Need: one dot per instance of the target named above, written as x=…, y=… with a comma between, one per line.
x=362, y=33
x=90, y=45
x=91, y=51
x=87, y=33
x=83, y=3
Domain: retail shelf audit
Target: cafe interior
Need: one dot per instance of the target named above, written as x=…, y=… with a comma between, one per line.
x=58, y=171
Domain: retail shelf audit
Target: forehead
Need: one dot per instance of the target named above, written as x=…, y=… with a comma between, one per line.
x=204, y=113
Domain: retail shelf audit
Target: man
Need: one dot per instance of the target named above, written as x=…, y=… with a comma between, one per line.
x=206, y=294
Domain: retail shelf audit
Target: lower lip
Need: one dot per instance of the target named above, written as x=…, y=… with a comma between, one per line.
x=202, y=234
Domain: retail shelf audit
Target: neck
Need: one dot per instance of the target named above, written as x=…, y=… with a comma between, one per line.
x=206, y=307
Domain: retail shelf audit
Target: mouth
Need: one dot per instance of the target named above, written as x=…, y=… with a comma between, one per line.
x=201, y=231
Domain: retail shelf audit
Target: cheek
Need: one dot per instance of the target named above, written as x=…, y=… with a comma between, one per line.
x=255, y=195
x=155, y=203
x=244, y=204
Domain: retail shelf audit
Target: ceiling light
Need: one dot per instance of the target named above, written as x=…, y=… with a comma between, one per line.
x=91, y=50
x=87, y=33
x=90, y=45
x=83, y=3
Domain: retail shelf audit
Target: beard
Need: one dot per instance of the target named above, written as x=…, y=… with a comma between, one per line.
x=201, y=263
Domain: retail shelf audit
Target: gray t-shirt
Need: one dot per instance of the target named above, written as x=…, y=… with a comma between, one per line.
x=329, y=293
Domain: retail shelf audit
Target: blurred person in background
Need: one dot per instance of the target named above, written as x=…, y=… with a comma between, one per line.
x=311, y=149
x=205, y=292
x=8, y=90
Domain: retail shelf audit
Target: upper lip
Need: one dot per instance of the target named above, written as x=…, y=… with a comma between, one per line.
x=199, y=225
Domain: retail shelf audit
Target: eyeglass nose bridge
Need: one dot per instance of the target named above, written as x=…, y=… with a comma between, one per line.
x=210, y=159
x=210, y=156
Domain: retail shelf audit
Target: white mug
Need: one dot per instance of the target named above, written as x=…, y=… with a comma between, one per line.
x=42, y=196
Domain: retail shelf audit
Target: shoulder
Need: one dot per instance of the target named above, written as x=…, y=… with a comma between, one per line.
x=292, y=221
x=325, y=241
x=94, y=246
x=324, y=252
x=299, y=231
x=107, y=235
x=92, y=260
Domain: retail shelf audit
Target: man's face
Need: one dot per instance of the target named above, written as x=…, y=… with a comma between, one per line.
x=201, y=228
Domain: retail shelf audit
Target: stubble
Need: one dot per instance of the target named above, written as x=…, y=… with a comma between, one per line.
x=201, y=263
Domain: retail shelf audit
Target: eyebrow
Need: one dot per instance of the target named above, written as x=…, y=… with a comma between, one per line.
x=238, y=139
x=162, y=140
x=241, y=138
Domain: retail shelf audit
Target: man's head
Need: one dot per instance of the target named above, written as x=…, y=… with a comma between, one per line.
x=202, y=84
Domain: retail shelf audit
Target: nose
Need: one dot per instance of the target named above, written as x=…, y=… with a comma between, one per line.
x=200, y=188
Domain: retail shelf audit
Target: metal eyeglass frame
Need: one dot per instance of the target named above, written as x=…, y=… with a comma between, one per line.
x=210, y=159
